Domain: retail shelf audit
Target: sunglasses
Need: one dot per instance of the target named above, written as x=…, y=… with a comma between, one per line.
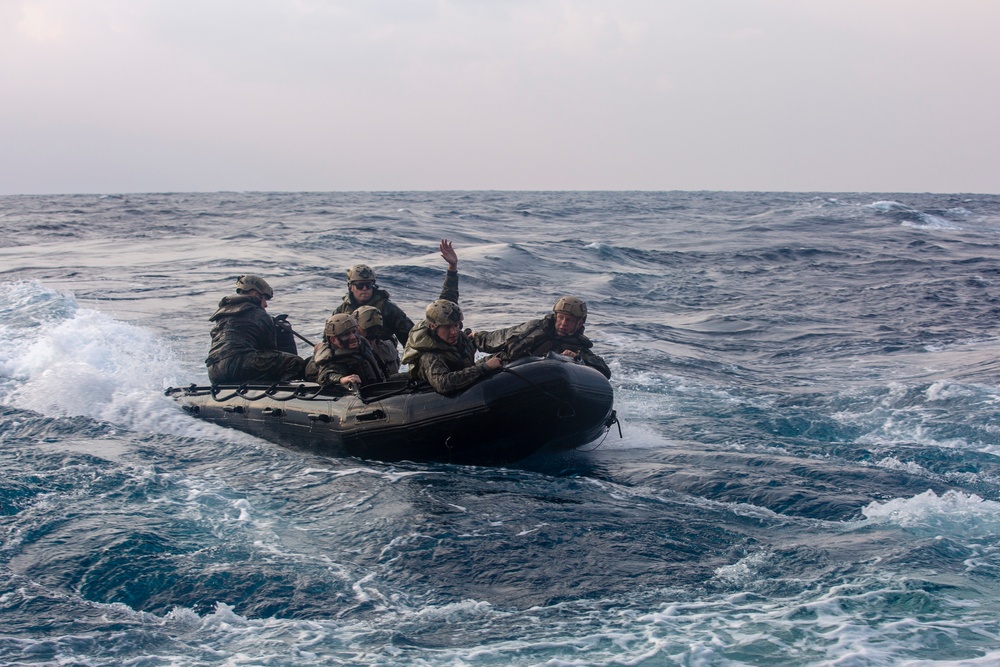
x=363, y=285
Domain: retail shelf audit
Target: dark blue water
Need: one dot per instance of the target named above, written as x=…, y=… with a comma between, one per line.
x=808, y=473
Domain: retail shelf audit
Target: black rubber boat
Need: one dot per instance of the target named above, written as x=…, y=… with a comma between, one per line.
x=534, y=403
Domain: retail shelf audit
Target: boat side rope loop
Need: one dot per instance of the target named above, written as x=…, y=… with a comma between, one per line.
x=216, y=390
x=293, y=391
x=611, y=421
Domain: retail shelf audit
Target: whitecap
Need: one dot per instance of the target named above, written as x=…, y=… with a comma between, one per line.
x=61, y=360
x=886, y=206
x=953, y=509
x=928, y=221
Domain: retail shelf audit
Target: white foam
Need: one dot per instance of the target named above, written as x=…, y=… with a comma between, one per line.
x=635, y=435
x=893, y=463
x=923, y=220
x=745, y=571
x=944, y=390
x=904, y=414
x=953, y=510
x=61, y=360
x=885, y=206
x=81, y=365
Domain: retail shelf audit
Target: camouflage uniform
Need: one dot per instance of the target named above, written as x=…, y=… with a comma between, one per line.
x=244, y=345
x=394, y=319
x=447, y=368
x=330, y=364
x=538, y=338
x=388, y=354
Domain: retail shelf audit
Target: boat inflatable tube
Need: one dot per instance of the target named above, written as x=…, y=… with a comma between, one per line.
x=534, y=403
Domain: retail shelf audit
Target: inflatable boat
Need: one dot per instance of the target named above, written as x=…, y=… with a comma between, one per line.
x=534, y=403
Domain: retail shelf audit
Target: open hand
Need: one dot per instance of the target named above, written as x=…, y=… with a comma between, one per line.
x=449, y=254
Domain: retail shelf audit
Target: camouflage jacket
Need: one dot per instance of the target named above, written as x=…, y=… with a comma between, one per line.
x=328, y=365
x=241, y=326
x=537, y=338
x=447, y=368
x=388, y=354
x=394, y=319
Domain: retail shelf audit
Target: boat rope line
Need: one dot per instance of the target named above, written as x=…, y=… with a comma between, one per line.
x=301, y=391
x=304, y=391
x=612, y=420
x=294, y=391
x=563, y=403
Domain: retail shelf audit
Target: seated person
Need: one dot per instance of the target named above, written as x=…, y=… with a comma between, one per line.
x=371, y=329
x=439, y=353
x=560, y=331
x=245, y=339
x=363, y=291
x=344, y=357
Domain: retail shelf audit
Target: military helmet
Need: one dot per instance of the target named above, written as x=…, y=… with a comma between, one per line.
x=368, y=317
x=360, y=272
x=571, y=306
x=339, y=324
x=442, y=312
x=252, y=282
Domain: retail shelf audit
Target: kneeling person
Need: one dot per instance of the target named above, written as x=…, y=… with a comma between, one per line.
x=344, y=357
x=560, y=331
x=438, y=352
x=245, y=339
x=371, y=329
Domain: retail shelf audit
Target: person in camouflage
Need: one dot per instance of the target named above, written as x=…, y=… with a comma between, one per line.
x=362, y=290
x=245, y=339
x=344, y=357
x=560, y=331
x=371, y=329
x=437, y=351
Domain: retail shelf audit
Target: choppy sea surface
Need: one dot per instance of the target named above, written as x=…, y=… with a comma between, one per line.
x=808, y=473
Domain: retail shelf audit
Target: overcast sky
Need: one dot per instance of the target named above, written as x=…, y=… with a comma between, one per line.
x=109, y=96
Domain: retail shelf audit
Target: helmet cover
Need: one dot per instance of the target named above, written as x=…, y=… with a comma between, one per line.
x=251, y=282
x=368, y=317
x=339, y=324
x=360, y=272
x=571, y=305
x=443, y=312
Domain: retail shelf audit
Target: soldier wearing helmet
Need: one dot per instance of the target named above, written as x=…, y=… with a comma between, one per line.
x=560, y=331
x=245, y=339
x=344, y=357
x=362, y=290
x=438, y=352
x=370, y=327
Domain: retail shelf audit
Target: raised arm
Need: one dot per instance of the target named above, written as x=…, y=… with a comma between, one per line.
x=449, y=291
x=449, y=254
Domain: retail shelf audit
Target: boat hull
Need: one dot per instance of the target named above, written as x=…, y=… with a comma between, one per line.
x=536, y=403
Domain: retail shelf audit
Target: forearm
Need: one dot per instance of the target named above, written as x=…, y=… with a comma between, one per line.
x=329, y=375
x=449, y=291
x=446, y=381
x=491, y=341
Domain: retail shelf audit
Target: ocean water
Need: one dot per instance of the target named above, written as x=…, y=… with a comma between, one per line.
x=808, y=473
